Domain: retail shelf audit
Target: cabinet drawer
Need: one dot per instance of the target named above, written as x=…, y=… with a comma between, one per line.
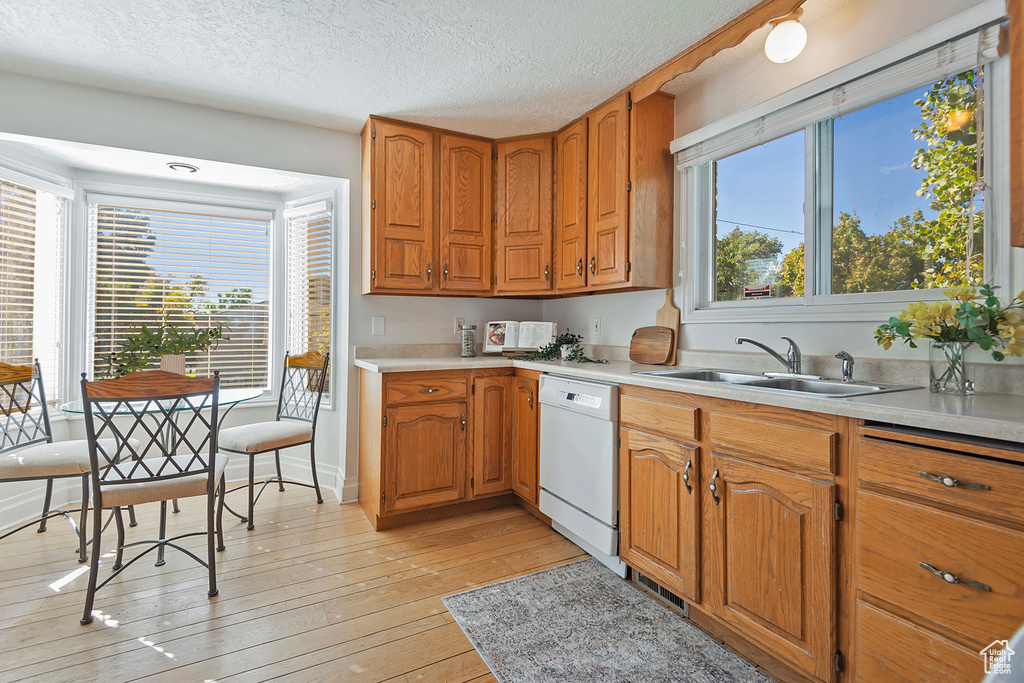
x=669, y=419
x=894, y=537
x=800, y=446
x=894, y=650
x=901, y=466
x=422, y=389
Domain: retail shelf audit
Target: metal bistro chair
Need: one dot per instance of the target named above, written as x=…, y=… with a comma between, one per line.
x=27, y=450
x=170, y=461
x=298, y=405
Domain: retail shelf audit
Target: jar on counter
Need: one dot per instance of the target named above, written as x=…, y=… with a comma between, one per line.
x=468, y=341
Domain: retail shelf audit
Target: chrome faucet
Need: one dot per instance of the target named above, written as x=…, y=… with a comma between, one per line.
x=792, y=360
x=847, y=365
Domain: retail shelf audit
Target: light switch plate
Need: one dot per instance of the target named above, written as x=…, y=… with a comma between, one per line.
x=595, y=326
x=377, y=325
x=459, y=322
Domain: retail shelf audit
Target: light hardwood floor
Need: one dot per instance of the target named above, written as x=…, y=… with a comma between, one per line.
x=313, y=593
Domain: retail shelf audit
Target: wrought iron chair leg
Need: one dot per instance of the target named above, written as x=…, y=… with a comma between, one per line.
x=312, y=466
x=83, y=557
x=94, y=567
x=252, y=476
x=163, y=533
x=176, y=509
x=46, y=505
x=119, y=520
x=220, y=514
x=211, y=555
x=277, y=461
x=132, y=522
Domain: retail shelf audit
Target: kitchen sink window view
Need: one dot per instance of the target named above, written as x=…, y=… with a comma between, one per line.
x=874, y=191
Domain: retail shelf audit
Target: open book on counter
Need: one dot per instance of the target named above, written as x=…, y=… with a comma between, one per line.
x=511, y=338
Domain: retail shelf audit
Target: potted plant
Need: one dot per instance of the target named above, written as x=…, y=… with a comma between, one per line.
x=566, y=346
x=969, y=316
x=169, y=342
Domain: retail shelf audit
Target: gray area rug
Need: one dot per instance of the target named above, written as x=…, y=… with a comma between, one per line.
x=580, y=622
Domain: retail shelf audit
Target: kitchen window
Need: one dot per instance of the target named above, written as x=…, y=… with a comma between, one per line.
x=871, y=192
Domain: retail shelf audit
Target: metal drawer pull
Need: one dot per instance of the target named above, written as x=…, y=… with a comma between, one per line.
x=686, y=476
x=429, y=391
x=579, y=267
x=713, y=487
x=463, y=421
x=953, y=578
x=951, y=482
x=529, y=400
x=592, y=264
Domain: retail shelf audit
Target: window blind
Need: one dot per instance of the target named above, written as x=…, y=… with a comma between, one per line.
x=31, y=280
x=158, y=263
x=948, y=59
x=310, y=249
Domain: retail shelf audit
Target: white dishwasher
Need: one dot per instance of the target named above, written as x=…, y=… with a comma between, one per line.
x=579, y=424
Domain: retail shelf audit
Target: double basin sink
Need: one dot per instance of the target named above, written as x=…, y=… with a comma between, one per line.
x=801, y=384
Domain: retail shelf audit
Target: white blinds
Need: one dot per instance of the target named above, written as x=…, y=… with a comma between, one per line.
x=950, y=58
x=310, y=248
x=31, y=275
x=156, y=262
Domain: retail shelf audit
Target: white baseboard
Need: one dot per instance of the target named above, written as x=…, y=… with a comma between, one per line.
x=22, y=507
x=349, y=492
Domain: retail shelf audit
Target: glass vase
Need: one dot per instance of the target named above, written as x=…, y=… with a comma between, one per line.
x=948, y=369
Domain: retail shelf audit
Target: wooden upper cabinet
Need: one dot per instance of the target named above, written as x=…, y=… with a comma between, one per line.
x=402, y=204
x=608, y=197
x=571, y=259
x=492, y=435
x=523, y=199
x=525, y=447
x=771, y=539
x=465, y=231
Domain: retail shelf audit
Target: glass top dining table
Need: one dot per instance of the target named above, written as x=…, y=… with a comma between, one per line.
x=226, y=397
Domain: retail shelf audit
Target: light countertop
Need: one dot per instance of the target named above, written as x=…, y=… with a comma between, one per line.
x=996, y=416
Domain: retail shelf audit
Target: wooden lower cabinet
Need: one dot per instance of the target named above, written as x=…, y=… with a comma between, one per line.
x=432, y=439
x=525, y=446
x=659, y=510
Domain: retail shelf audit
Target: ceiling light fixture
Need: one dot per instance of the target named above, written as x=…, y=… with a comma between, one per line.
x=787, y=39
x=182, y=167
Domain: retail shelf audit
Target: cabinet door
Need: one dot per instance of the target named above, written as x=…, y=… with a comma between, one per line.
x=403, y=208
x=608, y=198
x=772, y=560
x=571, y=260
x=524, y=203
x=492, y=435
x=465, y=234
x=425, y=464
x=524, y=439
x=659, y=512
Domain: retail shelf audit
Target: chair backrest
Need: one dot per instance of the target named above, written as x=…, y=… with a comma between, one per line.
x=23, y=416
x=302, y=387
x=139, y=427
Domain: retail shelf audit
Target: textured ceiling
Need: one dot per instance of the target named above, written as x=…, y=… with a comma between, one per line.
x=485, y=67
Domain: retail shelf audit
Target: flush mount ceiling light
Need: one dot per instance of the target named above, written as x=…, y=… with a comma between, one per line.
x=787, y=38
x=182, y=167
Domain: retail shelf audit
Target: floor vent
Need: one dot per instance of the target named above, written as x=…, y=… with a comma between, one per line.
x=651, y=586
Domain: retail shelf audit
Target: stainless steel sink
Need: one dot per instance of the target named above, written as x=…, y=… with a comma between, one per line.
x=704, y=375
x=799, y=385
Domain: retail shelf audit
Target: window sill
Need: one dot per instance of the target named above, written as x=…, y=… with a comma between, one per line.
x=875, y=312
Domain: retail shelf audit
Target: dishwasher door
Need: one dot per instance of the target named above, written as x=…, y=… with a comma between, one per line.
x=578, y=461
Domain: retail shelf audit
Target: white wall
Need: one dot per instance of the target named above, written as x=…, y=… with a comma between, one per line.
x=63, y=111
x=853, y=30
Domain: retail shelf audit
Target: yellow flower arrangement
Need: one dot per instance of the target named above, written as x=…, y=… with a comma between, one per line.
x=970, y=315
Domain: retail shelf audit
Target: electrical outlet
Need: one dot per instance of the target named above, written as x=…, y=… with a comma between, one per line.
x=595, y=327
x=377, y=325
x=459, y=322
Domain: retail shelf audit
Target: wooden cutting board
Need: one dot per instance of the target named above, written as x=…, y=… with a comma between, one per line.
x=652, y=345
x=668, y=316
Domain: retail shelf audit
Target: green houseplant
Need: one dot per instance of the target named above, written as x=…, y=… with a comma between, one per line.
x=554, y=351
x=145, y=344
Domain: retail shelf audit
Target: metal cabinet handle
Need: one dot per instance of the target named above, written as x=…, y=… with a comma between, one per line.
x=714, y=487
x=949, y=577
x=430, y=390
x=428, y=272
x=946, y=480
x=446, y=270
x=529, y=400
x=546, y=278
x=592, y=264
x=579, y=267
x=686, y=476
x=463, y=421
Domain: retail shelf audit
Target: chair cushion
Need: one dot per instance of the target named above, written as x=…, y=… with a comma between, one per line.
x=146, y=490
x=264, y=436
x=58, y=459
